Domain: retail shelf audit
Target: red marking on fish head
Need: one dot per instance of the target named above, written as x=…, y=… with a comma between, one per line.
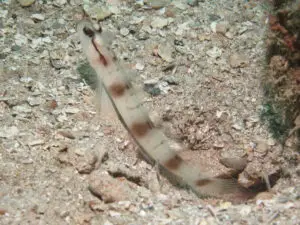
x=103, y=60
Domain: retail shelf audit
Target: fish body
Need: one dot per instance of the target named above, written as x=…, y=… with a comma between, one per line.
x=151, y=141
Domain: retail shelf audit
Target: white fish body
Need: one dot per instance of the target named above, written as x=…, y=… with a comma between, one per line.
x=151, y=140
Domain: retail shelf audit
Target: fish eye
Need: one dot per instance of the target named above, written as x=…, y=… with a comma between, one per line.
x=89, y=32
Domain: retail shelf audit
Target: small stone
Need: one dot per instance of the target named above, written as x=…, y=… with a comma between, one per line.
x=24, y=108
x=242, y=30
x=60, y=2
x=181, y=28
x=66, y=133
x=26, y=2
x=213, y=26
x=298, y=172
x=251, y=121
x=286, y=172
x=245, y=180
x=56, y=59
x=125, y=204
x=34, y=101
x=271, y=142
x=107, y=222
x=225, y=205
x=36, y=142
x=114, y=213
x=214, y=52
x=157, y=4
x=238, y=61
x=222, y=27
x=229, y=35
x=219, y=114
x=64, y=213
x=245, y=210
x=36, y=42
x=142, y=35
x=151, y=87
x=289, y=205
x=40, y=209
x=151, y=82
x=7, y=132
x=165, y=52
x=204, y=37
x=26, y=161
x=63, y=158
x=153, y=182
x=180, y=5
x=86, y=164
x=38, y=17
x=170, y=12
x=297, y=121
x=110, y=189
x=142, y=213
x=234, y=162
x=264, y=196
x=171, y=80
x=80, y=151
x=97, y=12
x=213, y=17
x=139, y=3
x=164, y=87
x=71, y=110
x=130, y=174
x=139, y=66
x=193, y=2
x=262, y=147
x=155, y=118
x=97, y=205
x=101, y=152
x=204, y=222
x=137, y=19
x=289, y=142
x=160, y=22
x=218, y=145
x=26, y=80
x=15, y=48
x=124, y=31
x=178, y=42
x=21, y=40
x=237, y=126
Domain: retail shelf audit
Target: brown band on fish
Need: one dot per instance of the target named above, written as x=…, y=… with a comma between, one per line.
x=140, y=129
x=173, y=163
x=202, y=182
x=118, y=88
